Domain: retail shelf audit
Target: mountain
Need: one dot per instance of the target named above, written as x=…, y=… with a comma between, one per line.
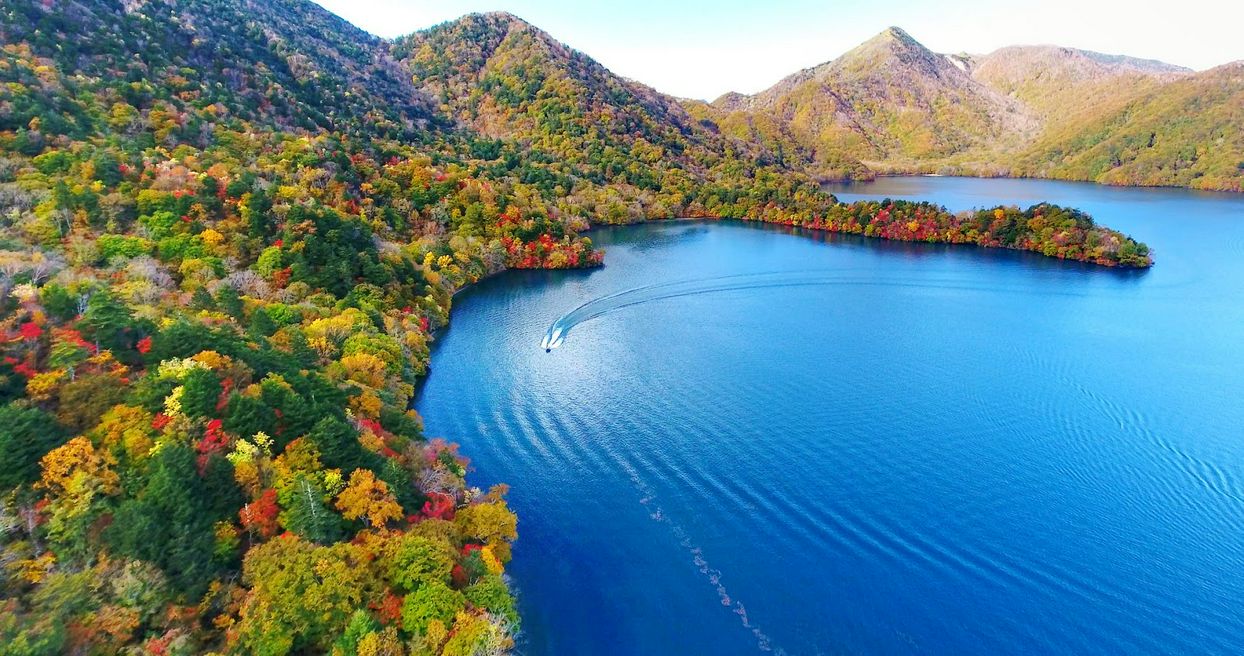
x=889, y=101
x=1120, y=120
x=230, y=229
x=1047, y=111
x=605, y=147
x=504, y=78
x=1184, y=132
x=1064, y=87
x=1049, y=78
x=283, y=63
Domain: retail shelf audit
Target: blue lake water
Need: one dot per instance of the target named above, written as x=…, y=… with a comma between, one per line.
x=783, y=441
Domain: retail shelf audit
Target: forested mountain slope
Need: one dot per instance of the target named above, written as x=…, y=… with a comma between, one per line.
x=889, y=99
x=608, y=148
x=228, y=231
x=1187, y=132
x=888, y=103
x=1024, y=111
x=282, y=64
x=1060, y=84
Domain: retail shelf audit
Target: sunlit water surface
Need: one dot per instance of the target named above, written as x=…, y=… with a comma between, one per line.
x=808, y=444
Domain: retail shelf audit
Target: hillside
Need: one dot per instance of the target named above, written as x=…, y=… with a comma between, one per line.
x=284, y=64
x=1185, y=133
x=615, y=150
x=605, y=147
x=1041, y=111
x=1048, y=78
x=887, y=102
x=1065, y=87
x=230, y=229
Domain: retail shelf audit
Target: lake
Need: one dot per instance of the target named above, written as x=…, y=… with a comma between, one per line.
x=759, y=439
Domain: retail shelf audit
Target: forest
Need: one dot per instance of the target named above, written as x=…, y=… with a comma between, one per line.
x=1053, y=231
x=228, y=233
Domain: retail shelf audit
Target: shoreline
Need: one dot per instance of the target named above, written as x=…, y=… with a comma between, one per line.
x=436, y=335
x=943, y=234
x=916, y=174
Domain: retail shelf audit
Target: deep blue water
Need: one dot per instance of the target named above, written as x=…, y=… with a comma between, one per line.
x=906, y=449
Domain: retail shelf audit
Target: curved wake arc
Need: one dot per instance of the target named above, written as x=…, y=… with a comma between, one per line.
x=556, y=335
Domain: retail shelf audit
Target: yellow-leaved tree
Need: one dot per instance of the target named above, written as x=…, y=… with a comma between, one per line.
x=368, y=498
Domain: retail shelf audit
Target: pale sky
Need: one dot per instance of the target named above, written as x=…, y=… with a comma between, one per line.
x=704, y=48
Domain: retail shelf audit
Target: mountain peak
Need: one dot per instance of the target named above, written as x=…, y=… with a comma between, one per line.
x=496, y=21
x=731, y=100
x=891, y=44
x=891, y=37
x=896, y=32
x=892, y=47
x=501, y=17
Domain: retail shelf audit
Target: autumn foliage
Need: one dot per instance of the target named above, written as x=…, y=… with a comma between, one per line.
x=231, y=231
x=1046, y=229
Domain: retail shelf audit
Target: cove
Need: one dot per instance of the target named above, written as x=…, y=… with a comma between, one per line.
x=948, y=450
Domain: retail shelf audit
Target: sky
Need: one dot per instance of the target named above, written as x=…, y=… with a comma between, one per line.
x=702, y=48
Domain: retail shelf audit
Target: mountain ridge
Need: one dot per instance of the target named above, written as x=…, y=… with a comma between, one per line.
x=888, y=98
x=506, y=79
x=897, y=107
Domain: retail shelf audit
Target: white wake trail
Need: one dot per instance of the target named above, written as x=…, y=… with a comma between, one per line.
x=556, y=334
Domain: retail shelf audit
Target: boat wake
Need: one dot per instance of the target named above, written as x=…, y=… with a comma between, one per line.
x=598, y=307
x=714, y=577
